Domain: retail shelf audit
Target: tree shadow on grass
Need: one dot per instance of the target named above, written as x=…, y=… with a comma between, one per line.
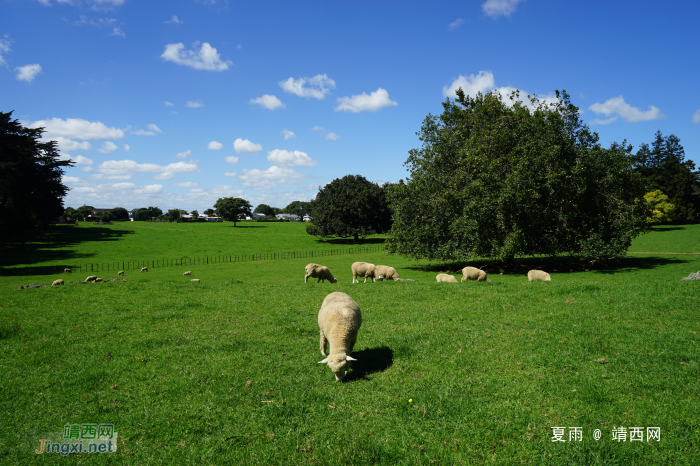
x=369, y=361
x=50, y=247
x=352, y=242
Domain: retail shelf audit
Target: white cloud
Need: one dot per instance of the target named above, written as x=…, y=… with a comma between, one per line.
x=183, y=155
x=118, y=32
x=229, y=173
x=231, y=159
x=332, y=137
x=68, y=145
x=124, y=169
x=87, y=168
x=107, y=147
x=45, y=2
x=244, y=146
x=363, y=102
x=4, y=48
x=603, y=122
x=127, y=147
x=617, y=105
x=164, y=176
x=152, y=130
x=471, y=85
x=496, y=8
x=77, y=128
x=288, y=134
x=455, y=24
x=80, y=160
x=696, y=117
x=194, y=104
x=27, y=72
x=265, y=179
x=207, y=58
x=174, y=20
x=169, y=104
x=213, y=145
x=319, y=86
x=186, y=184
x=285, y=158
x=268, y=101
x=317, y=128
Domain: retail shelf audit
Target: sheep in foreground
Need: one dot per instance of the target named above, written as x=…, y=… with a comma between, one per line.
x=57, y=282
x=538, y=275
x=67, y=270
x=188, y=273
x=145, y=269
x=472, y=273
x=339, y=320
x=98, y=280
x=196, y=280
x=389, y=273
x=444, y=278
x=318, y=271
x=367, y=270
x=91, y=278
x=121, y=272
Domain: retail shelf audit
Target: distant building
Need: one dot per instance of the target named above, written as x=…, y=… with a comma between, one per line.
x=290, y=217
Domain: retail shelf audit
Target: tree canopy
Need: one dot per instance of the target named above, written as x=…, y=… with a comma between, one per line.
x=498, y=178
x=660, y=210
x=232, y=208
x=31, y=188
x=350, y=206
x=149, y=213
x=299, y=208
x=119, y=213
x=173, y=214
x=265, y=210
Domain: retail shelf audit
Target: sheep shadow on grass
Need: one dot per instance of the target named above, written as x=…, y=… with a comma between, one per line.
x=369, y=361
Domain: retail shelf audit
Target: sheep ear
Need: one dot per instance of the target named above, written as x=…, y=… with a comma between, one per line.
x=348, y=358
x=324, y=361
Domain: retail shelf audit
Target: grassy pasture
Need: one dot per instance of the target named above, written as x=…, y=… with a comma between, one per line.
x=225, y=371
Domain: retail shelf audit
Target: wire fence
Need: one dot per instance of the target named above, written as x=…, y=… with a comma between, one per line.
x=184, y=261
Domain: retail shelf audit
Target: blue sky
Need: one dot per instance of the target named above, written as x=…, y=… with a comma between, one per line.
x=176, y=104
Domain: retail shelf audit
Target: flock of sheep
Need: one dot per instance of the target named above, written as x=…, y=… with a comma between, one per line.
x=340, y=318
x=96, y=279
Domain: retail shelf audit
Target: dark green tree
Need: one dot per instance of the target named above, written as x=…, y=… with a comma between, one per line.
x=70, y=214
x=173, y=215
x=145, y=214
x=31, y=191
x=350, y=206
x=107, y=216
x=299, y=208
x=265, y=210
x=194, y=214
x=663, y=167
x=499, y=179
x=85, y=211
x=209, y=212
x=232, y=209
x=119, y=213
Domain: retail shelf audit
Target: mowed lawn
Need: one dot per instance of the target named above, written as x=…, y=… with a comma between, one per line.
x=225, y=371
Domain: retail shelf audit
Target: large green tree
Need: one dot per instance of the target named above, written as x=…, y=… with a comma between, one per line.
x=663, y=167
x=144, y=214
x=265, y=210
x=299, y=208
x=350, y=206
x=119, y=213
x=31, y=190
x=498, y=178
x=232, y=209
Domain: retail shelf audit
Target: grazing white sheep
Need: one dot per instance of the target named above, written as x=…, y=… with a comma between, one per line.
x=389, y=273
x=367, y=270
x=57, y=282
x=196, y=280
x=444, y=278
x=188, y=273
x=91, y=278
x=538, y=275
x=98, y=280
x=472, y=273
x=121, y=272
x=318, y=271
x=145, y=269
x=67, y=270
x=339, y=320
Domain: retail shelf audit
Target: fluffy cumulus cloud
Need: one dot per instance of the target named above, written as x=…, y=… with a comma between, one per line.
x=317, y=128
x=332, y=137
x=366, y=103
x=107, y=147
x=496, y=8
x=127, y=147
x=316, y=87
x=183, y=155
x=69, y=145
x=125, y=169
x=152, y=130
x=288, y=134
x=229, y=173
x=28, y=72
x=194, y=104
x=244, y=146
x=186, y=184
x=266, y=179
x=284, y=158
x=696, y=117
x=4, y=48
x=174, y=20
x=76, y=128
x=213, y=145
x=231, y=159
x=455, y=24
x=618, y=107
x=206, y=58
x=80, y=160
x=268, y=101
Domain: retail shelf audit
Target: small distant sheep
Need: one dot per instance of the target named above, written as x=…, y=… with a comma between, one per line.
x=196, y=280
x=121, y=272
x=188, y=273
x=98, y=280
x=318, y=271
x=367, y=270
x=145, y=269
x=57, y=283
x=91, y=278
x=538, y=275
x=472, y=273
x=339, y=320
x=444, y=278
x=389, y=273
x=67, y=270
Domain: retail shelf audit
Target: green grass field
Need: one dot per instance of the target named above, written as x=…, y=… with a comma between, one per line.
x=225, y=371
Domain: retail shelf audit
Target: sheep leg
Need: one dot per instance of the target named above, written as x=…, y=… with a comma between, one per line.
x=306, y=279
x=323, y=344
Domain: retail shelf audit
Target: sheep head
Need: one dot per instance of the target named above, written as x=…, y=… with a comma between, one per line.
x=339, y=364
